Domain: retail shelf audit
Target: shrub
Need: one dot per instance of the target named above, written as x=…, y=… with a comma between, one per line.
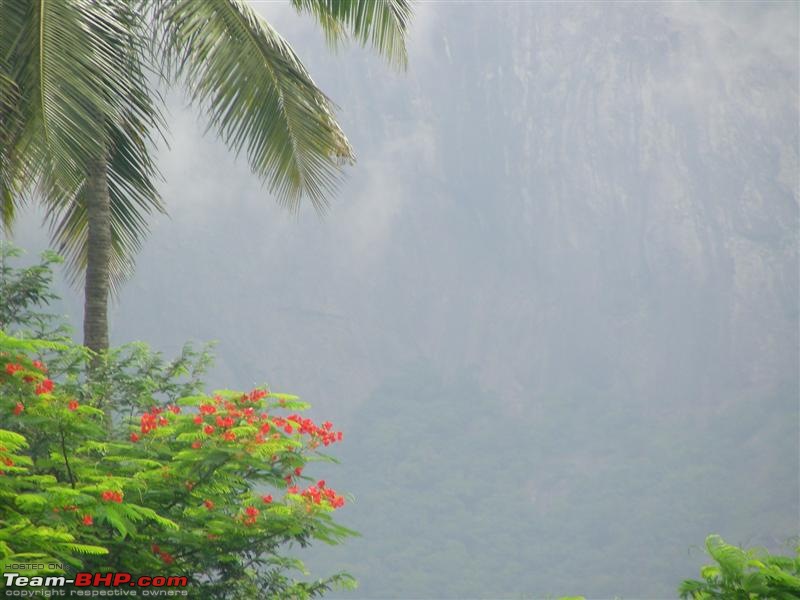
x=745, y=574
x=134, y=469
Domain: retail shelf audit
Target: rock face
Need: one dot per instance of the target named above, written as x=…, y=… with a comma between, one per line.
x=575, y=221
x=556, y=189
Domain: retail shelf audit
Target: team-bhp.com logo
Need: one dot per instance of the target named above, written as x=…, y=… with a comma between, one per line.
x=17, y=585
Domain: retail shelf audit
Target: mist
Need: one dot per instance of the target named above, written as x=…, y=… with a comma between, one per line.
x=554, y=305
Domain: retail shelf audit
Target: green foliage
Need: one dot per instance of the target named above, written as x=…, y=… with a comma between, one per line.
x=745, y=574
x=24, y=292
x=138, y=470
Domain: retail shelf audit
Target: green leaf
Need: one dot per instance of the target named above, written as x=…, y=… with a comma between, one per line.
x=258, y=96
x=86, y=549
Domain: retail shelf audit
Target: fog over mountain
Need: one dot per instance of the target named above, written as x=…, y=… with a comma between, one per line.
x=554, y=305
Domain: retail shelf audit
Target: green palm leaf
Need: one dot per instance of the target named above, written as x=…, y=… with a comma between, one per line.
x=82, y=93
x=383, y=23
x=258, y=96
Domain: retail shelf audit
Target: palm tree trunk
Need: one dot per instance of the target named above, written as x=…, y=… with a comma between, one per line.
x=98, y=256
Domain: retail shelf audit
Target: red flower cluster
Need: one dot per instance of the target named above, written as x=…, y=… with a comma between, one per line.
x=87, y=520
x=37, y=364
x=208, y=504
x=152, y=420
x=19, y=408
x=165, y=556
x=45, y=386
x=324, y=435
x=254, y=396
x=231, y=415
x=73, y=404
x=12, y=368
x=111, y=496
x=224, y=421
x=318, y=493
x=252, y=514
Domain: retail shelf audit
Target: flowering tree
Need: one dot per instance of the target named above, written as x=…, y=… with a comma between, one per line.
x=210, y=487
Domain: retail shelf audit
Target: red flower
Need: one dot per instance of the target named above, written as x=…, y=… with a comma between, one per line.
x=208, y=429
x=266, y=499
x=293, y=489
x=321, y=484
x=175, y=410
x=44, y=387
x=37, y=364
x=12, y=368
x=19, y=408
x=134, y=437
x=87, y=520
x=111, y=496
x=252, y=511
x=73, y=404
x=197, y=444
x=256, y=395
x=229, y=436
x=207, y=409
x=208, y=504
x=155, y=549
x=298, y=471
x=198, y=419
x=167, y=558
x=8, y=462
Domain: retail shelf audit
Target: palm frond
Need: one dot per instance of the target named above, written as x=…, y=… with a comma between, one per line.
x=77, y=91
x=382, y=23
x=258, y=96
x=129, y=117
x=10, y=124
x=59, y=65
x=14, y=16
x=133, y=197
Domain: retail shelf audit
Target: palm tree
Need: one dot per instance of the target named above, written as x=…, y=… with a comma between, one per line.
x=79, y=115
